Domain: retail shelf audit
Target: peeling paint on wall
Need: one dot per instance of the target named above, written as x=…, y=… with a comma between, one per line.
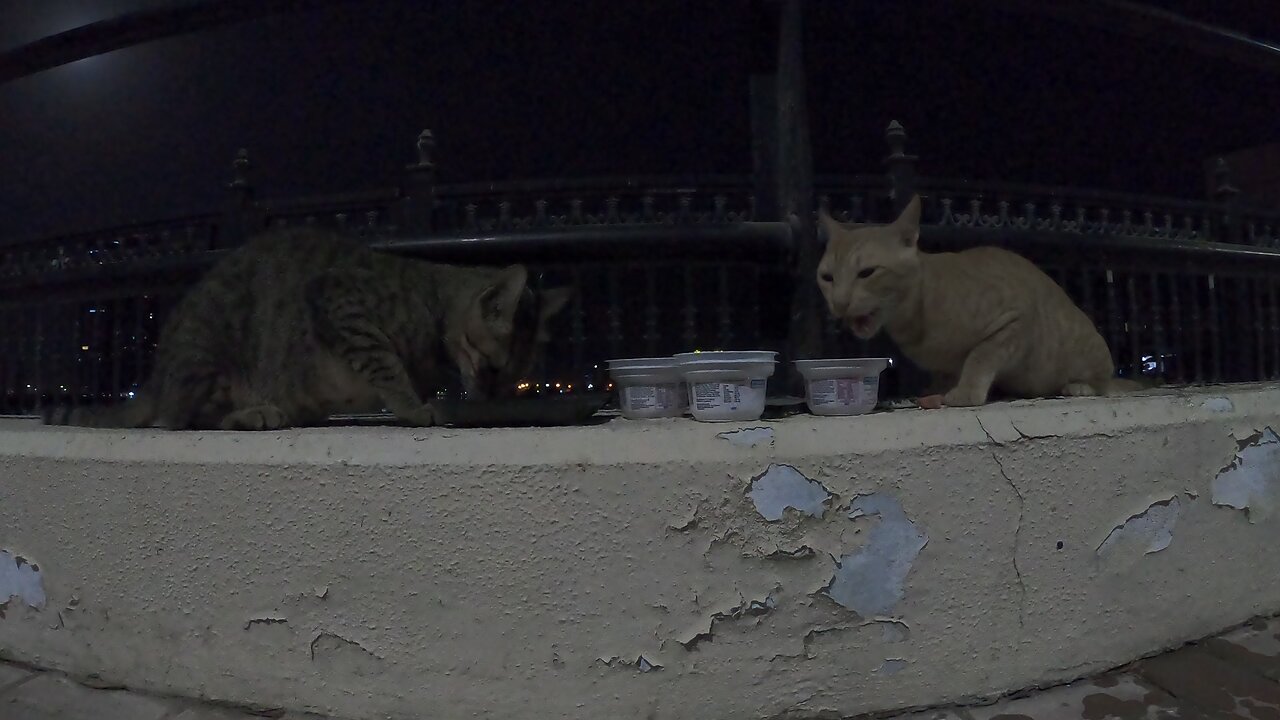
x=748, y=437
x=1152, y=528
x=20, y=579
x=344, y=655
x=870, y=580
x=747, y=608
x=781, y=487
x=1250, y=482
x=265, y=620
x=1218, y=405
x=641, y=663
x=892, y=631
x=892, y=666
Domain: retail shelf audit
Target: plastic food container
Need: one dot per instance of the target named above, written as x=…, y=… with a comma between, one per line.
x=725, y=386
x=649, y=387
x=842, y=386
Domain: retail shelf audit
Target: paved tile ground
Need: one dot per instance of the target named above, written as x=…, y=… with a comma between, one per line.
x=1233, y=676
x=1236, y=675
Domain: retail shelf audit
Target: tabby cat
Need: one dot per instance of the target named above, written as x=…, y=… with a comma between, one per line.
x=976, y=319
x=299, y=324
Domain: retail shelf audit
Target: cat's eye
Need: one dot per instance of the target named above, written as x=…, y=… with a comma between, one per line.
x=828, y=277
x=865, y=273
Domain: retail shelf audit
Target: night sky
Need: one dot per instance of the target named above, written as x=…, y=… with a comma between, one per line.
x=332, y=101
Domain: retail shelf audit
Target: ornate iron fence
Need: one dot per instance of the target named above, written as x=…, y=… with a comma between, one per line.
x=1184, y=289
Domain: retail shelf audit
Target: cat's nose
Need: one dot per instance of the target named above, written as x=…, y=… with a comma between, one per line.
x=841, y=298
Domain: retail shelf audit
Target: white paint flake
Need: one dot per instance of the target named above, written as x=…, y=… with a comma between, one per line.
x=1250, y=482
x=1152, y=528
x=21, y=579
x=748, y=437
x=782, y=487
x=870, y=580
x=892, y=666
x=1218, y=405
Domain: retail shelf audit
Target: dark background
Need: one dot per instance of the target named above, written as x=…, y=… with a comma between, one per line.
x=331, y=101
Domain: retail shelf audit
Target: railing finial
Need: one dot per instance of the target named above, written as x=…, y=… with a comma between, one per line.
x=1223, y=190
x=901, y=167
x=426, y=144
x=240, y=170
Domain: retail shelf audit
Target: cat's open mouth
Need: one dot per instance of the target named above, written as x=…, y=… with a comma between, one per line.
x=864, y=326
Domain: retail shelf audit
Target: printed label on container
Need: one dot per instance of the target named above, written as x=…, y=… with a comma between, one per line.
x=843, y=391
x=712, y=395
x=651, y=397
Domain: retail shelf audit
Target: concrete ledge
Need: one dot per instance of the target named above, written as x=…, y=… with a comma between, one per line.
x=634, y=569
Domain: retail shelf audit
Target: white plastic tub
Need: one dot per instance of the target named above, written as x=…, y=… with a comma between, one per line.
x=649, y=387
x=842, y=386
x=727, y=386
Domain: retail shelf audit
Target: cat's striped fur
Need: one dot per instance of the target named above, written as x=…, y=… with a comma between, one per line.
x=300, y=324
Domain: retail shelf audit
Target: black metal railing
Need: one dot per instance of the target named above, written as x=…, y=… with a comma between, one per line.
x=1183, y=289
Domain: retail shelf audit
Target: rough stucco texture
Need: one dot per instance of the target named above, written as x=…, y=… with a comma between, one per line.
x=627, y=571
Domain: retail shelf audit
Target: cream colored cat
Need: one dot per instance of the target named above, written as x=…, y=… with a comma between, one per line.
x=976, y=319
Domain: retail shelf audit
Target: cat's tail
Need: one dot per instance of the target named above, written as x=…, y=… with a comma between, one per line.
x=136, y=413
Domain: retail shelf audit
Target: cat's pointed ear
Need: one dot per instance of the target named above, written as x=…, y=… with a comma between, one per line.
x=502, y=296
x=908, y=222
x=828, y=227
x=553, y=301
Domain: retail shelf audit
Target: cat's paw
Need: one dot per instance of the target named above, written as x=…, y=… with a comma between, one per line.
x=959, y=397
x=929, y=402
x=259, y=417
x=421, y=416
x=1079, y=389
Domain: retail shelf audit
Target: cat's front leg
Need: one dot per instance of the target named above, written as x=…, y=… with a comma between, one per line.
x=384, y=371
x=346, y=324
x=985, y=362
x=939, y=383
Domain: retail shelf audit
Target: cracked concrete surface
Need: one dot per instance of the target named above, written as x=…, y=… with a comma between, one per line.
x=1233, y=675
x=503, y=569
x=1017, y=535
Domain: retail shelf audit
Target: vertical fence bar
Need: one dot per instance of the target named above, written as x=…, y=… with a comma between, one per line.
x=615, y=312
x=1198, y=303
x=724, y=310
x=117, y=347
x=74, y=379
x=651, y=334
x=417, y=204
x=237, y=223
x=140, y=340
x=38, y=358
x=94, y=356
x=1275, y=327
x=1159, y=346
x=1215, y=333
x=1086, y=293
x=1254, y=287
x=753, y=306
x=11, y=360
x=1113, y=318
x=690, y=311
x=1133, y=325
x=1178, y=345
